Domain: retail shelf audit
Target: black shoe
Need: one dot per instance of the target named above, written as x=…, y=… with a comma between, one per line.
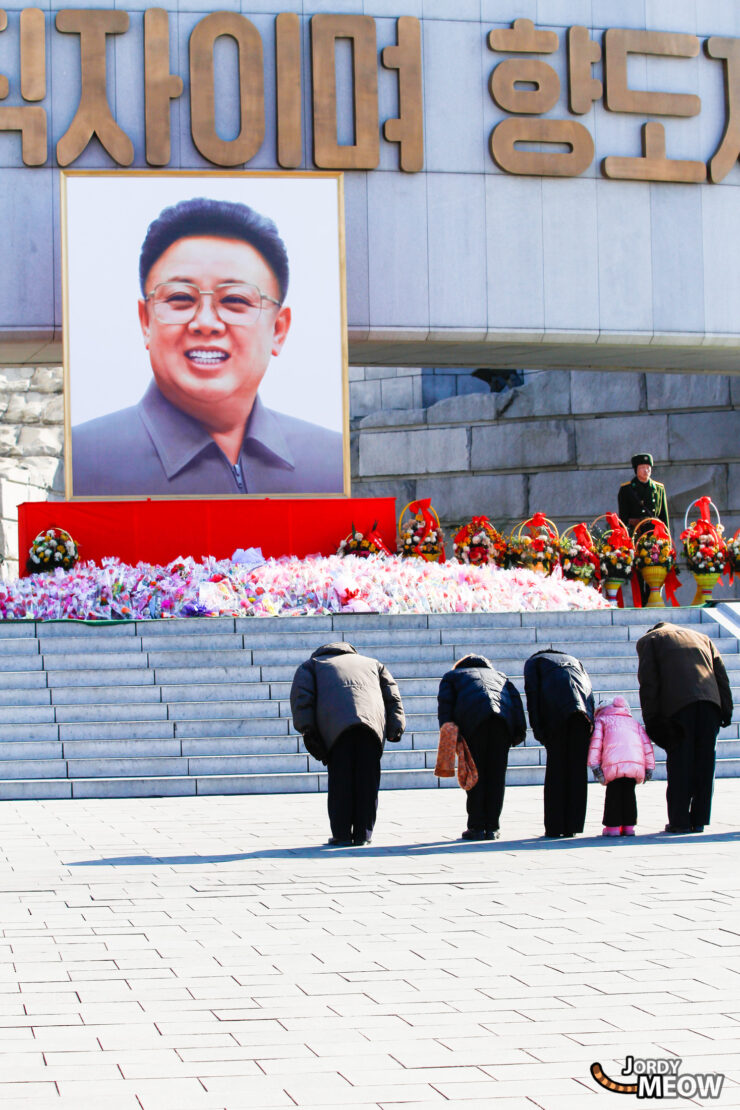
x=697, y=828
x=677, y=830
x=474, y=834
x=568, y=835
x=493, y=834
x=338, y=842
x=359, y=841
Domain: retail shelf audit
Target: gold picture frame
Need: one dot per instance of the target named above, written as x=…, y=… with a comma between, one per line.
x=76, y=324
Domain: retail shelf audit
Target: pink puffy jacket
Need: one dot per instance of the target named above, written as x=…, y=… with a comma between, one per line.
x=619, y=744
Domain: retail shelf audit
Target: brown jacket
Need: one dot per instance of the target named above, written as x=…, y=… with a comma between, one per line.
x=679, y=666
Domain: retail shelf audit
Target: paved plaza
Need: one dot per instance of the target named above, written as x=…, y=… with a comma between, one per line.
x=173, y=954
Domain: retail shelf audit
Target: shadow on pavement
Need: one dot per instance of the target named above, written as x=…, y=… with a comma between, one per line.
x=442, y=847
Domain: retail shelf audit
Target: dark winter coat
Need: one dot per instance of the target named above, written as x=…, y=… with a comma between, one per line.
x=473, y=692
x=338, y=688
x=678, y=666
x=557, y=687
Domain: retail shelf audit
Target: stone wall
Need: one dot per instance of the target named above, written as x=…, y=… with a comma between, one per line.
x=560, y=444
x=31, y=444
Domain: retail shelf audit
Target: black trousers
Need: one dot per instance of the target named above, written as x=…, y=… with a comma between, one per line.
x=620, y=804
x=566, y=777
x=354, y=779
x=489, y=747
x=690, y=758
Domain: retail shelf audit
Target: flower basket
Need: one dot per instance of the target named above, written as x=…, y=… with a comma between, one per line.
x=478, y=543
x=578, y=557
x=363, y=544
x=52, y=550
x=733, y=553
x=655, y=558
x=534, y=545
x=419, y=533
x=705, y=549
x=616, y=552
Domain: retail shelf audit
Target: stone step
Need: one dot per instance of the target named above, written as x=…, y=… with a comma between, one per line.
x=113, y=661
x=202, y=706
x=114, y=730
x=134, y=676
x=76, y=750
x=234, y=726
x=100, y=640
x=19, y=646
x=105, y=695
x=216, y=756
x=302, y=782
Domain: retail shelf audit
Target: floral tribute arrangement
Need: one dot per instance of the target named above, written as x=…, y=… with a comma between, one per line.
x=703, y=543
x=420, y=535
x=363, y=544
x=479, y=543
x=284, y=587
x=733, y=553
x=654, y=547
x=534, y=544
x=578, y=556
x=654, y=552
x=50, y=550
x=615, y=549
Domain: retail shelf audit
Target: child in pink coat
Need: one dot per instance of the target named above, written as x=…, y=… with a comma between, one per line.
x=620, y=755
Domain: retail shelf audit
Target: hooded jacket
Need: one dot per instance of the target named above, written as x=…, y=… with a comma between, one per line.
x=678, y=666
x=338, y=688
x=620, y=745
x=473, y=692
x=557, y=686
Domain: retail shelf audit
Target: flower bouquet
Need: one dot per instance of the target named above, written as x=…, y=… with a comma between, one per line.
x=51, y=550
x=534, y=545
x=705, y=549
x=655, y=558
x=420, y=534
x=733, y=553
x=616, y=551
x=363, y=544
x=578, y=556
x=478, y=543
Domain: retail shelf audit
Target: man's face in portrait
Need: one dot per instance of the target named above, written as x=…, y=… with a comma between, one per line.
x=211, y=325
x=644, y=471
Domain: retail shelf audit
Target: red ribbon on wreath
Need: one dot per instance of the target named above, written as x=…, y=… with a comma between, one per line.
x=375, y=537
x=539, y=520
x=422, y=508
x=583, y=538
x=618, y=536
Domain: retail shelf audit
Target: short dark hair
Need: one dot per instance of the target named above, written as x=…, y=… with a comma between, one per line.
x=224, y=219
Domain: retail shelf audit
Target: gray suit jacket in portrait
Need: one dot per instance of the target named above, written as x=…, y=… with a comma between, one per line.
x=155, y=448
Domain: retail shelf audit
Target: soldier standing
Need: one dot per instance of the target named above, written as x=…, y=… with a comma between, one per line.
x=641, y=499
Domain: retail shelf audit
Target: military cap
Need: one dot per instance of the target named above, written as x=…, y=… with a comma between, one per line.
x=642, y=460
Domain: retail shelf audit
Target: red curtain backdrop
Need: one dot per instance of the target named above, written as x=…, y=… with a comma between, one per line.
x=159, y=531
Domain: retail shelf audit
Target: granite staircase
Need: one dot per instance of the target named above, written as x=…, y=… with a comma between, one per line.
x=201, y=706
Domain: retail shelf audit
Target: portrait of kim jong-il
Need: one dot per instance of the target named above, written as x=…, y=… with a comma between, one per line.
x=213, y=313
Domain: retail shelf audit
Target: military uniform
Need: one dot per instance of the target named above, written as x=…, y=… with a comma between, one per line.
x=639, y=500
